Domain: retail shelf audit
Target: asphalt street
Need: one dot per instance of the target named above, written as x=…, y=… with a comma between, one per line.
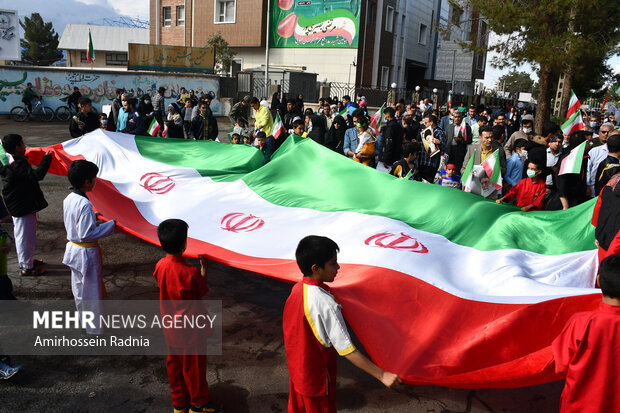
x=250, y=375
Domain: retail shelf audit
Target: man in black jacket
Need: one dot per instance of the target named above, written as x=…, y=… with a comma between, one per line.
x=392, y=139
x=291, y=116
x=458, y=136
x=24, y=199
x=85, y=120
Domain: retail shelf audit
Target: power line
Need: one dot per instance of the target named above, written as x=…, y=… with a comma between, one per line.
x=122, y=21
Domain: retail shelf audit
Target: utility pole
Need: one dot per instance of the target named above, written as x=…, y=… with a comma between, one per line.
x=267, y=49
x=453, y=67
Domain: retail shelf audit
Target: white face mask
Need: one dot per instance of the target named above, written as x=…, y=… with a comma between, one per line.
x=531, y=173
x=527, y=130
x=523, y=154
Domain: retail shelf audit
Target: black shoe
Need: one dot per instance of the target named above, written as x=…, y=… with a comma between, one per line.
x=210, y=407
x=32, y=272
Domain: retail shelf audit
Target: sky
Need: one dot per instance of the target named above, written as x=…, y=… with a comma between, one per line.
x=63, y=12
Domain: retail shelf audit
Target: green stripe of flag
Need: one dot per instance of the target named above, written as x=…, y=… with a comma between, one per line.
x=304, y=174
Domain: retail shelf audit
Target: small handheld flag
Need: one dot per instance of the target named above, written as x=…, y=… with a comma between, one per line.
x=153, y=128
x=572, y=163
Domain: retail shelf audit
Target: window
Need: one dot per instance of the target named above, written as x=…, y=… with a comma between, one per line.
x=385, y=77
x=166, y=14
x=402, y=28
x=480, y=61
x=224, y=11
x=180, y=15
x=482, y=36
x=422, y=34
x=457, y=11
x=116, y=59
x=389, y=19
x=370, y=15
x=83, y=58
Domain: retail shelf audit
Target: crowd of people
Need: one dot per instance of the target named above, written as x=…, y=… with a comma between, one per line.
x=189, y=117
x=418, y=142
x=410, y=141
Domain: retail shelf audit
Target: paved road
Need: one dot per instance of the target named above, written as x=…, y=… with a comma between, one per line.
x=251, y=374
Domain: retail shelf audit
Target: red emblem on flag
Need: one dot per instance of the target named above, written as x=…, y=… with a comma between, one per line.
x=396, y=242
x=241, y=222
x=156, y=183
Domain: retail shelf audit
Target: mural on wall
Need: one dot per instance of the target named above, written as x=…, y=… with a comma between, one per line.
x=98, y=86
x=314, y=23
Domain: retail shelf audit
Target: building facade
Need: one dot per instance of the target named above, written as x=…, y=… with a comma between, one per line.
x=369, y=43
x=109, y=43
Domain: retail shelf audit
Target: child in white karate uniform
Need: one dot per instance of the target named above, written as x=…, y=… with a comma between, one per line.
x=82, y=254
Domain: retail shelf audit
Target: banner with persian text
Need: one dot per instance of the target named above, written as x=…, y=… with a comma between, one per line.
x=171, y=58
x=314, y=23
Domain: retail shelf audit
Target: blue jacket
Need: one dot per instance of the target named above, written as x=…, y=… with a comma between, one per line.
x=135, y=124
x=514, y=169
x=350, y=141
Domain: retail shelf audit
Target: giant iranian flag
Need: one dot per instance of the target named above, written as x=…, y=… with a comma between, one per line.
x=455, y=290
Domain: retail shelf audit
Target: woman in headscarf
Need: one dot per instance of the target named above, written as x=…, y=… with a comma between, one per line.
x=335, y=136
x=174, y=123
x=146, y=109
x=299, y=103
x=275, y=104
x=572, y=188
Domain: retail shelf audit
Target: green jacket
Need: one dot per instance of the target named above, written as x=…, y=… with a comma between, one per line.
x=30, y=94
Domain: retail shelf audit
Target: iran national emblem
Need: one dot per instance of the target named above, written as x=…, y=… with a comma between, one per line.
x=156, y=183
x=241, y=222
x=400, y=241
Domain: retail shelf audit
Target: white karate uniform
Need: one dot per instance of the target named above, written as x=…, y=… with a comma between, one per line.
x=25, y=231
x=85, y=263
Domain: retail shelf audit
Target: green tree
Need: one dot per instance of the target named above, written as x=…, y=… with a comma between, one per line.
x=516, y=82
x=223, y=53
x=554, y=36
x=40, y=42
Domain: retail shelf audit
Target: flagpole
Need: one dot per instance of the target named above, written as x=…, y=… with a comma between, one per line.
x=267, y=50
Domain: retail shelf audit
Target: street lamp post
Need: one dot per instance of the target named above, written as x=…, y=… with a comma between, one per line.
x=417, y=95
x=392, y=94
x=435, y=103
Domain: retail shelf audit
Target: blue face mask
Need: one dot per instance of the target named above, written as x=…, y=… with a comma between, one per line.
x=531, y=173
x=593, y=124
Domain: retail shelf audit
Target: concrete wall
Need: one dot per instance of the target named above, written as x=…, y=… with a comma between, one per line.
x=98, y=85
x=330, y=63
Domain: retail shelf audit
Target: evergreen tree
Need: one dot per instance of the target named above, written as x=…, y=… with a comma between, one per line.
x=40, y=42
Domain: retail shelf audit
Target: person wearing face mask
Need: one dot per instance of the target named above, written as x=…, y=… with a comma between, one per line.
x=594, y=124
x=553, y=154
x=146, y=109
x=514, y=164
x=530, y=192
x=526, y=132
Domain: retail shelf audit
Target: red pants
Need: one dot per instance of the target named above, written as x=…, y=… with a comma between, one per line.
x=188, y=379
x=298, y=403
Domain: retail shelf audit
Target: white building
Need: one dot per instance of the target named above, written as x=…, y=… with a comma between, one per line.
x=109, y=43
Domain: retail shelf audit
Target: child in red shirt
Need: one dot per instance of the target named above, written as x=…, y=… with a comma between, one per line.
x=181, y=282
x=315, y=331
x=530, y=191
x=588, y=347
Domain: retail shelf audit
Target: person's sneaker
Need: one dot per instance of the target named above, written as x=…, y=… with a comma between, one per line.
x=210, y=407
x=6, y=371
x=179, y=409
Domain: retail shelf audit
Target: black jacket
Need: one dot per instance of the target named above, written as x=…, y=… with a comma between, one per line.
x=83, y=123
x=392, y=142
x=21, y=190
